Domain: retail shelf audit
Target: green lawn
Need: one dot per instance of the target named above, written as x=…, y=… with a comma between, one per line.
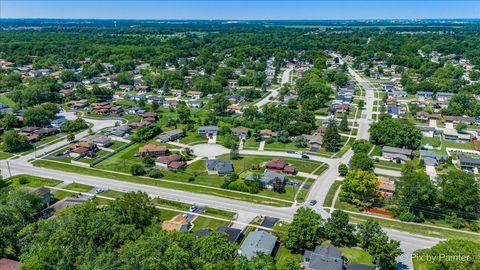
x=12, y=104
x=78, y=187
x=158, y=182
x=219, y=213
x=193, y=138
x=112, y=193
x=246, y=161
x=356, y=255
x=31, y=181
x=434, y=141
x=61, y=194
x=116, y=144
x=388, y=164
x=276, y=145
x=5, y=155
x=331, y=193
x=207, y=223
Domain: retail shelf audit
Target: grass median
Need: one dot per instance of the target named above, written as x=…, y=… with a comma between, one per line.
x=171, y=184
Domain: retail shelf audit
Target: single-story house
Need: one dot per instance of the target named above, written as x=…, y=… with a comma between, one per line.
x=120, y=131
x=268, y=179
x=195, y=104
x=235, y=98
x=386, y=187
x=170, y=162
x=397, y=154
x=171, y=135
x=99, y=140
x=458, y=119
x=444, y=96
x=422, y=95
x=151, y=150
x=79, y=104
x=280, y=165
x=178, y=223
x=454, y=135
x=469, y=163
x=267, y=133
x=233, y=235
x=323, y=258
x=219, y=166
x=176, y=92
x=258, y=242
x=432, y=159
x=58, y=121
x=208, y=130
x=81, y=149
x=194, y=94
x=239, y=131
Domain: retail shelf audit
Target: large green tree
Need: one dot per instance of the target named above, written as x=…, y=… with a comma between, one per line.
x=459, y=191
x=304, y=231
x=395, y=132
x=338, y=230
x=359, y=187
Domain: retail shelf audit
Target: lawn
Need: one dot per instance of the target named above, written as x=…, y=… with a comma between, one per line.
x=31, y=181
x=116, y=145
x=388, y=164
x=61, y=194
x=219, y=213
x=171, y=184
x=276, y=145
x=331, y=193
x=356, y=255
x=207, y=223
x=12, y=104
x=434, y=141
x=193, y=138
x=5, y=155
x=78, y=187
x=112, y=194
x=246, y=161
x=251, y=144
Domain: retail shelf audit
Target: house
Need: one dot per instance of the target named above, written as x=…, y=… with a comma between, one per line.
x=176, y=92
x=207, y=130
x=454, y=135
x=64, y=203
x=268, y=178
x=423, y=95
x=425, y=116
x=323, y=258
x=5, y=109
x=429, y=131
x=195, y=104
x=44, y=132
x=171, y=135
x=279, y=165
x=219, y=166
x=79, y=104
x=7, y=264
x=178, y=223
x=258, y=242
x=233, y=235
x=314, y=142
x=171, y=103
x=444, y=96
x=477, y=120
x=234, y=108
x=235, y=98
x=45, y=194
x=432, y=159
x=469, y=163
x=388, y=86
x=81, y=149
x=150, y=115
x=398, y=93
x=99, y=140
x=126, y=87
x=151, y=150
x=194, y=94
x=267, y=133
x=386, y=187
x=157, y=99
x=120, y=131
x=397, y=154
x=239, y=131
x=458, y=119
x=393, y=111
x=170, y=162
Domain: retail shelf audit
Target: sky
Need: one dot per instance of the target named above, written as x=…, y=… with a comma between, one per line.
x=247, y=10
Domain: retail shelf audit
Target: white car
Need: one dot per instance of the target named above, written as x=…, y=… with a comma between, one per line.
x=99, y=190
x=193, y=208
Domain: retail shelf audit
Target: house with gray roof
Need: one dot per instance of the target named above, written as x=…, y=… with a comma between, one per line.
x=432, y=159
x=195, y=104
x=207, y=130
x=397, y=154
x=219, y=166
x=323, y=258
x=258, y=242
x=469, y=163
x=170, y=135
x=268, y=178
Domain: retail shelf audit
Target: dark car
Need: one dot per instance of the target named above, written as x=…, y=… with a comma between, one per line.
x=312, y=202
x=305, y=156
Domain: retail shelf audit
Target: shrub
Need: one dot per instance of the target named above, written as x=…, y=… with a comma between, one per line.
x=155, y=173
x=137, y=169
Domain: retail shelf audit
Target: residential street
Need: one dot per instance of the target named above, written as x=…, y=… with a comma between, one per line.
x=274, y=93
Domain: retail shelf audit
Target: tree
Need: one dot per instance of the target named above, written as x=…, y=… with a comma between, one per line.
x=344, y=124
x=155, y=173
x=137, y=169
x=148, y=161
x=338, y=230
x=468, y=250
x=342, y=169
x=361, y=104
x=134, y=208
x=367, y=231
x=260, y=262
x=213, y=250
x=14, y=142
x=300, y=141
x=331, y=137
x=395, y=132
x=184, y=113
x=361, y=161
x=155, y=105
x=74, y=125
x=304, y=231
x=361, y=146
x=461, y=126
x=416, y=191
x=384, y=252
x=359, y=187
x=459, y=191
x=38, y=117
x=9, y=121
x=70, y=137
x=234, y=152
x=218, y=104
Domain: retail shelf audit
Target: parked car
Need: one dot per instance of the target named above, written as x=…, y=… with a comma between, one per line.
x=99, y=190
x=193, y=208
x=305, y=156
x=312, y=202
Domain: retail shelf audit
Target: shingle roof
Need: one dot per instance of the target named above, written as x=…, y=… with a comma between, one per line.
x=258, y=241
x=219, y=165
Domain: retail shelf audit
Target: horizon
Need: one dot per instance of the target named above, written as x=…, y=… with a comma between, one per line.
x=241, y=11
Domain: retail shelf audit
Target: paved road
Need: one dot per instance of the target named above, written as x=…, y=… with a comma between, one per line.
x=274, y=93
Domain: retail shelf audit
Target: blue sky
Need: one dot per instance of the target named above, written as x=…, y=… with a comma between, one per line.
x=182, y=9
